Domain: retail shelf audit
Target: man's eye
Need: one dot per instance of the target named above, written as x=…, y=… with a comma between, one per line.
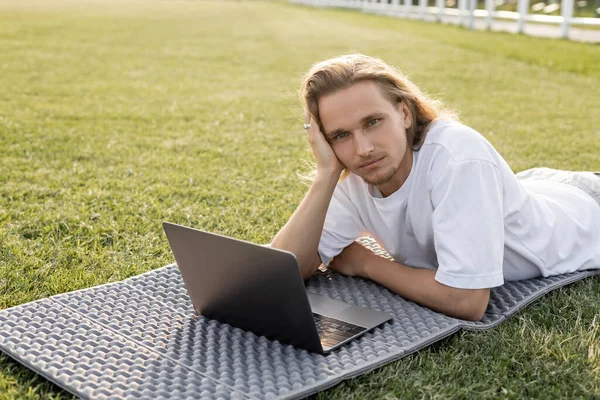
x=373, y=122
x=340, y=136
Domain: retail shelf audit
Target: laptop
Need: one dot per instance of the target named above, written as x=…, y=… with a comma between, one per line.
x=260, y=289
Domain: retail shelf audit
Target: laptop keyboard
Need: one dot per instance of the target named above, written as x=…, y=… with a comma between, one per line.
x=333, y=331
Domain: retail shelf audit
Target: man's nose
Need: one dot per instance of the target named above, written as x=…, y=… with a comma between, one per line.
x=363, y=143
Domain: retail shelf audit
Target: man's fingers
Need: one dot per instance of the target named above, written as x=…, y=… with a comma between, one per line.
x=312, y=131
x=307, y=116
x=327, y=162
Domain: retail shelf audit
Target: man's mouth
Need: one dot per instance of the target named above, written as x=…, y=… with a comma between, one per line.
x=371, y=163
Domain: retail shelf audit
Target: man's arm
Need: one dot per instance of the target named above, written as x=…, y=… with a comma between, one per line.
x=414, y=284
x=302, y=232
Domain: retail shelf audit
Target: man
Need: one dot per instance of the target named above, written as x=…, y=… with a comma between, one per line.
x=391, y=162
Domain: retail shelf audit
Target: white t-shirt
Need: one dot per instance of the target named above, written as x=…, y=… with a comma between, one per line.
x=463, y=212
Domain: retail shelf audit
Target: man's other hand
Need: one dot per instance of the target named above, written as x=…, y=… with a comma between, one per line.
x=352, y=260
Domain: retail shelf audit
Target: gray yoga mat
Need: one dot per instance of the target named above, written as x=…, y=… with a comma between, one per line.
x=140, y=338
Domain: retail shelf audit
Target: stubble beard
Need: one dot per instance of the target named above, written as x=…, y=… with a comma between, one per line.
x=380, y=178
x=377, y=177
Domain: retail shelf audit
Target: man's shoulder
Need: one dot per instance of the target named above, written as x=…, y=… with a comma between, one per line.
x=460, y=142
x=447, y=132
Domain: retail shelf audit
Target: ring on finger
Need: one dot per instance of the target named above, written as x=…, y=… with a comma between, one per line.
x=306, y=126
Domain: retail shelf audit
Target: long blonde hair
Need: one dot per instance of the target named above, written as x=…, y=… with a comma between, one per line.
x=339, y=73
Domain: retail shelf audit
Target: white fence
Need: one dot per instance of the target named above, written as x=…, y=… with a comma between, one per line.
x=466, y=12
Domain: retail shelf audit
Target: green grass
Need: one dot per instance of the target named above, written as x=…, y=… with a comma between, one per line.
x=115, y=116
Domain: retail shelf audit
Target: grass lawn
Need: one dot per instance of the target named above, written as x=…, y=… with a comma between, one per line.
x=115, y=116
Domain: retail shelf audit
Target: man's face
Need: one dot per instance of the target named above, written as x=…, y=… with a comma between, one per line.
x=368, y=134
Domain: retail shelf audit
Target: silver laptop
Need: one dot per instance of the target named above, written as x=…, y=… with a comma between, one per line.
x=260, y=289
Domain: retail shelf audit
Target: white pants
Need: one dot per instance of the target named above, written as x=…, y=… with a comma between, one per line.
x=589, y=182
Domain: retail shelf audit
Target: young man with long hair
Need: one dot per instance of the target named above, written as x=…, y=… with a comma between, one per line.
x=395, y=164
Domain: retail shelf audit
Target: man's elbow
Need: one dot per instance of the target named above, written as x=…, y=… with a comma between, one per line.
x=472, y=307
x=308, y=272
x=309, y=267
x=472, y=315
x=307, y=263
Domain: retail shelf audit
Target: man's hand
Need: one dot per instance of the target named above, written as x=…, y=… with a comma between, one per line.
x=327, y=161
x=352, y=260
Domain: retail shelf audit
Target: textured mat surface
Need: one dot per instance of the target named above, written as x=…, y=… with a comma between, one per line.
x=140, y=338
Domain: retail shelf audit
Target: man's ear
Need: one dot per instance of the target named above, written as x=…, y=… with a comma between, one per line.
x=406, y=114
